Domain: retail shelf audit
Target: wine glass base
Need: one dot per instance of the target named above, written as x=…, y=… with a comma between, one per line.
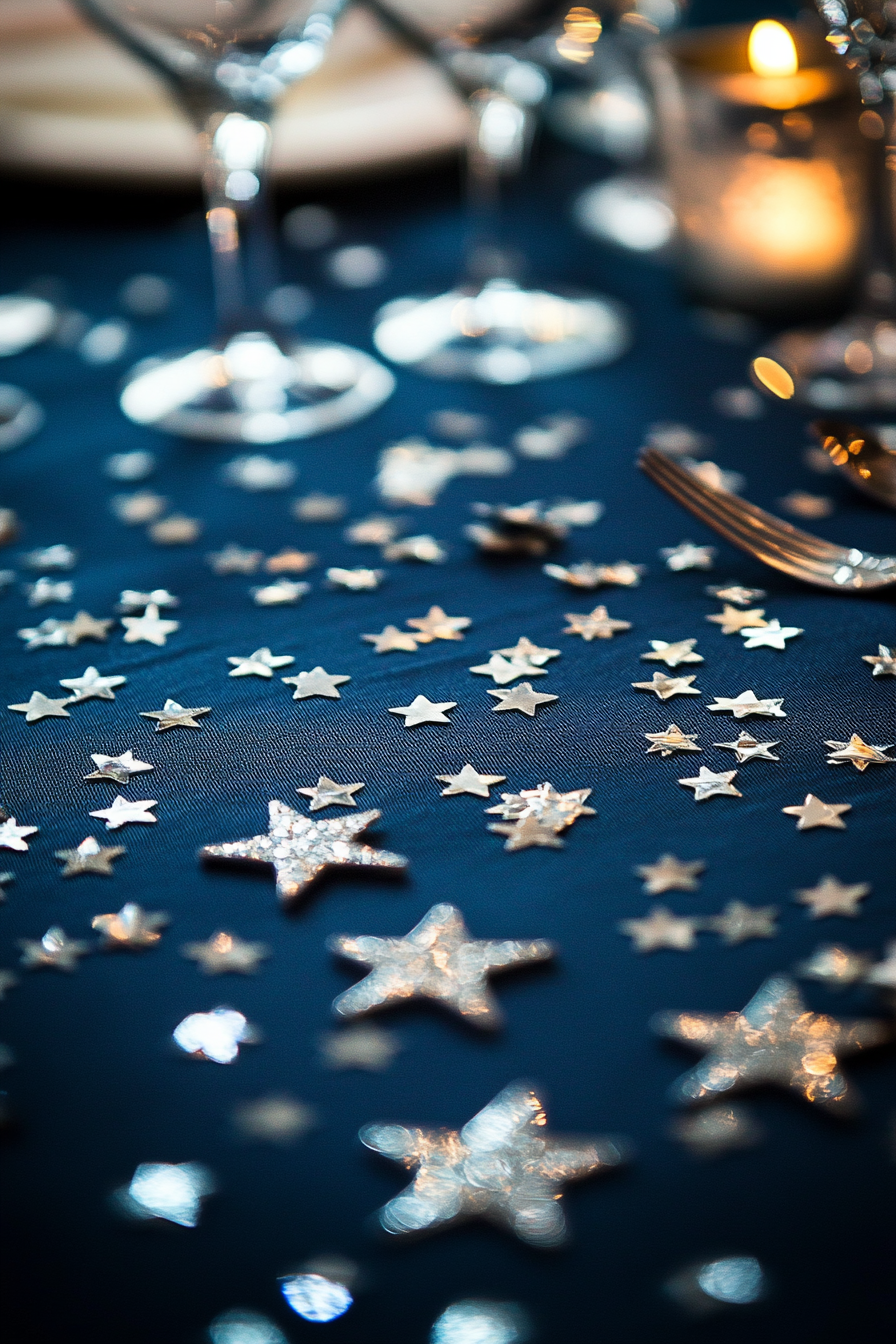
x=848, y=367
x=252, y=391
x=503, y=334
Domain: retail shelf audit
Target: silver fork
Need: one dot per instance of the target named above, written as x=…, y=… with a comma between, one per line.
x=770, y=540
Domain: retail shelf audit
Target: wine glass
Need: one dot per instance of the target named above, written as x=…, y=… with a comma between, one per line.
x=226, y=62
x=490, y=327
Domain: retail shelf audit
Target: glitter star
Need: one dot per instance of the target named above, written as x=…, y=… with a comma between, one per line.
x=708, y=784
x=546, y=805
x=688, y=556
x=521, y=698
x=738, y=922
x=672, y=654
x=436, y=625
x=41, y=706
x=91, y=686
x=527, y=833
x=125, y=810
x=392, y=640
x=299, y=849
x=289, y=561
x=812, y=812
x=664, y=688
x=234, y=560
x=773, y=635
x=259, y=664
x=131, y=601
x=178, y=530
x=54, y=950
x=469, y=781
x=85, y=626
x=748, y=748
x=133, y=927
x=745, y=704
x=672, y=740
x=596, y=624
x=670, y=874
x=215, y=1036
x=89, y=857
x=832, y=897
x=834, y=966
x=423, y=548
x=883, y=663
x=281, y=593
x=12, y=836
x=503, y=670
x=525, y=651
x=360, y=1047
x=356, y=580
x=149, y=628
x=327, y=793
x=502, y=1165
x=118, y=768
x=437, y=960
x=773, y=1040
x=317, y=682
x=224, y=952
x=174, y=715
x=734, y=622
x=421, y=710
x=661, y=929
x=858, y=753
x=736, y=593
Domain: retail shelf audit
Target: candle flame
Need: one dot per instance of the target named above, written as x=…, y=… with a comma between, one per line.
x=771, y=50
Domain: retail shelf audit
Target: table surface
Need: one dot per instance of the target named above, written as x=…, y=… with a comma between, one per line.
x=97, y=1088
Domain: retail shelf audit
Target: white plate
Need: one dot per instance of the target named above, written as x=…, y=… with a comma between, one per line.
x=71, y=102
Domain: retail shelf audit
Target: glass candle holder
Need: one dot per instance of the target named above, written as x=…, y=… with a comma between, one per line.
x=767, y=163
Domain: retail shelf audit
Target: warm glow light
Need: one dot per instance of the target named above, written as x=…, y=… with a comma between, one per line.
x=772, y=376
x=771, y=50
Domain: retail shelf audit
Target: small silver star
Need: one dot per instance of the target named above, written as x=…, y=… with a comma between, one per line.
x=672, y=740
x=327, y=793
x=717, y=1129
x=132, y=927
x=378, y=530
x=317, y=682
x=671, y=874
x=734, y=622
x=421, y=710
x=85, y=626
x=356, y=580
x=392, y=640
x=143, y=506
x=503, y=670
x=661, y=929
x=174, y=715
x=118, y=768
x=586, y=574
x=224, y=952
x=736, y=593
x=177, y=530
x=469, y=781
x=835, y=966
x=883, y=973
x=672, y=654
x=525, y=651
x=276, y=1118
x=436, y=625
x=49, y=590
x=596, y=624
x=131, y=601
x=281, y=593
x=215, y=1036
x=55, y=950
x=832, y=897
x=437, y=960
x=546, y=805
x=708, y=784
x=91, y=686
x=49, y=634
x=125, y=810
x=257, y=471
x=688, y=556
x=527, y=833
x=521, y=698
x=423, y=548
x=50, y=558
x=290, y=561
x=883, y=663
x=772, y=635
x=739, y=922
x=235, y=560
x=12, y=836
x=664, y=688
x=320, y=508
x=745, y=704
x=150, y=628
x=858, y=753
x=259, y=664
x=359, y=1047
x=748, y=748
x=41, y=706
x=812, y=812
x=89, y=857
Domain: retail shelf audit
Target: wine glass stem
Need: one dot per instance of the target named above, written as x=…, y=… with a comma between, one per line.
x=498, y=146
x=236, y=152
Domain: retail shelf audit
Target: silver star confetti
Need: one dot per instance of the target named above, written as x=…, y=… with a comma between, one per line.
x=708, y=784
x=469, y=781
x=749, y=748
x=118, y=768
x=502, y=1165
x=745, y=704
x=739, y=922
x=317, y=682
x=41, y=706
x=178, y=530
x=714, y=1130
x=503, y=670
x=327, y=793
x=527, y=833
x=802, y=504
x=378, y=530
x=436, y=625
x=299, y=849
x=49, y=590
x=276, y=1118
x=672, y=654
x=772, y=635
x=661, y=929
x=12, y=836
x=546, y=805
x=392, y=640
x=437, y=960
x=150, y=628
x=131, y=601
x=664, y=688
x=832, y=897
x=671, y=874
x=125, y=810
x=256, y=471
x=596, y=624
x=883, y=973
x=525, y=651
x=359, y=1047
x=133, y=928
x=835, y=966
x=320, y=508
x=421, y=710
x=234, y=560
x=355, y=580
x=91, y=686
x=215, y=1036
x=670, y=741
x=423, y=548
x=734, y=622
x=55, y=950
x=143, y=506
x=89, y=857
x=290, y=561
x=259, y=664
x=49, y=634
x=85, y=626
x=688, y=556
x=521, y=698
x=858, y=753
x=736, y=593
x=587, y=574
x=223, y=952
x=174, y=715
x=812, y=812
x=281, y=593
x=883, y=663
x=50, y=558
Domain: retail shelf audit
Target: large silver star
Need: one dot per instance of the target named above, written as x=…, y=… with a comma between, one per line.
x=54, y=950
x=661, y=928
x=41, y=706
x=12, y=836
x=883, y=663
x=392, y=640
x=436, y=625
x=664, y=688
x=437, y=960
x=688, y=556
x=748, y=748
x=469, y=781
x=775, y=1039
x=132, y=927
x=709, y=784
x=672, y=740
x=812, y=812
x=224, y=952
x=772, y=635
x=670, y=874
x=747, y=703
x=327, y=793
x=119, y=768
x=173, y=715
x=832, y=897
x=525, y=651
x=502, y=1165
x=316, y=682
x=91, y=686
x=682, y=651
x=150, y=628
x=421, y=710
x=858, y=753
x=503, y=670
x=739, y=922
x=124, y=810
x=596, y=624
x=521, y=698
x=89, y=857
x=299, y=849
x=259, y=664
